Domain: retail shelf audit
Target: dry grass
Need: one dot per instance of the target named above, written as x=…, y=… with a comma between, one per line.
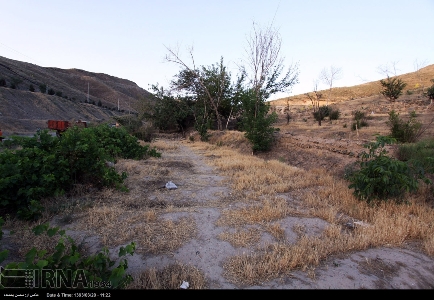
x=326, y=197
x=116, y=225
x=241, y=238
x=164, y=145
x=363, y=90
x=170, y=277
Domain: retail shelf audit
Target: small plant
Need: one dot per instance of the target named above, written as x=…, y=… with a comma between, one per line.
x=51, y=91
x=191, y=138
x=360, y=119
x=31, y=88
x=59, y=93
x=98, y=267
x=404, y=132
x=392, y=88
x=304, y=119
x=99, y=103
x=380, y=176
x=2, y=82
x=345, y=125
x=409, y=92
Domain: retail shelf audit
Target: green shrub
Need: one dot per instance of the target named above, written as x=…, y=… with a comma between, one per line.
x=404, y=132
x=321, y=113
x=59, y=93
x=31, y=88
x=43, y=88
x=392, y=88
x=382, y=177
x=418, y=154
x=334, y=114
x=2, y=82
x=99, y=103
x=47, y=166
x=360, y=119
x=66, y=256
x=51, y=91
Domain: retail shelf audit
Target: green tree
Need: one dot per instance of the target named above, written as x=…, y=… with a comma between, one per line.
x=265, y=67
x=210, y=85
x=392, y=88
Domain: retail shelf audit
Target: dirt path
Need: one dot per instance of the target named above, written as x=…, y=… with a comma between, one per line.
x=203, y=194
x=201, y=185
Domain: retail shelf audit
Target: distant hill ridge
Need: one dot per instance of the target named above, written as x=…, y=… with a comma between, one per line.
x=414, y=81
x=23, y=111
x=73, y=83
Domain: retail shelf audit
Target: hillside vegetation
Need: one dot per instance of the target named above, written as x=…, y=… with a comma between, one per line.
x=339, y=94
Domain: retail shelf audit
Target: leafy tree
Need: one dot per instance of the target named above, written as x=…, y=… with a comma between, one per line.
x=319, y=113
x=257, y=123
x=209, y=85
x=392, y=88
x=265, y=67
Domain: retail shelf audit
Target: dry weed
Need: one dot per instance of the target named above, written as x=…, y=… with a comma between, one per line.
x=241, y=238
x=163, y=145
x=170, y=277
x=326, y=197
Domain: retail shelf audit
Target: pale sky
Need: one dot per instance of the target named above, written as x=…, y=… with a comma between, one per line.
x=127, y=38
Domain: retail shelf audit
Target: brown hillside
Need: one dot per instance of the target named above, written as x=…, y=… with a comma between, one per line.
x=22, y=111
x=365, y=90
x=73, y=83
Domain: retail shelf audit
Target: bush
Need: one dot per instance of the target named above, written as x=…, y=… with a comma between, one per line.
x=418, y=154
x=334, y=114
x=360, y=119
x=404, y=132
x=99, y=103
x=392, y=88
x=59, y=94
x=43, y=88
x=380, y=176
x=66, y=256
x=51, y=91
x=321, y=113
x=2, y=82
x=48, y=166
x=31, y=88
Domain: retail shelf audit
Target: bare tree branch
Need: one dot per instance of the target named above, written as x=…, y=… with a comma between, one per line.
x=328, y=76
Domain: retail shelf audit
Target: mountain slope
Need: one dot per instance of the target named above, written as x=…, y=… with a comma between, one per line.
x=22, y=111
x=414, y=81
